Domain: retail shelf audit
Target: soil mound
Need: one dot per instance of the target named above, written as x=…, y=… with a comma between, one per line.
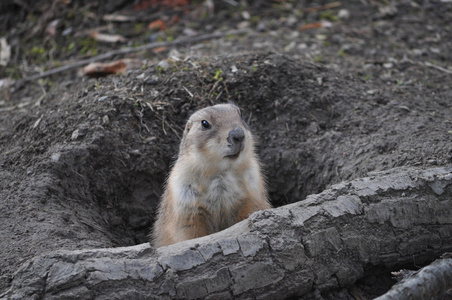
x=86, y=168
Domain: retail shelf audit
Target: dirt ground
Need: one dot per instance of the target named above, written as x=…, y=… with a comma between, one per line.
x=332, y=92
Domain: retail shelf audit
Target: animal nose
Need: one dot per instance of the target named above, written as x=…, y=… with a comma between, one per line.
x=236, y=136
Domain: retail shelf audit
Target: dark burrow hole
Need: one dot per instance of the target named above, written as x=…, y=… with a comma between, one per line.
x=128, y=213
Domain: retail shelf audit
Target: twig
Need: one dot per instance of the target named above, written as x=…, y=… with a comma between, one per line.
x=163, y=125
x=123, y=51
x=437, y=67
x=140, y=114
x=427, y=64
x=190, y=93
x=322, y=7
x=174, y=130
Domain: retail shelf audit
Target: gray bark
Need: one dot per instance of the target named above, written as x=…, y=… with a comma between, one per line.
x=326, y=241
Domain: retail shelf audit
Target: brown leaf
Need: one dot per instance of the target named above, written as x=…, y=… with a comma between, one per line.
x=315, y=25
x=117, y=67
x=157, y=24
x=159, y=49
x=323, y=7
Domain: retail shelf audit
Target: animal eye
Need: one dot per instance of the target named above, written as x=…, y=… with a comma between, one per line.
x=205, y=124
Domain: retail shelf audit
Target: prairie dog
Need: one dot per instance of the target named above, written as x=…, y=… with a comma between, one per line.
x=216, y=180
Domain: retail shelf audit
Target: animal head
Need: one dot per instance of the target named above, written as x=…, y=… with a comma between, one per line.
x=217, y=134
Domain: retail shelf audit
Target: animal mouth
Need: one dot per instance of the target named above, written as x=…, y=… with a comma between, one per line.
x=233, y=156
x=235, y=150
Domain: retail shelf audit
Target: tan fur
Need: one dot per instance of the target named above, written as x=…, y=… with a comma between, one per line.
x=207, y=191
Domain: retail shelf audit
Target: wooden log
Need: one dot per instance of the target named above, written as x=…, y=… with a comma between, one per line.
x=325, y=242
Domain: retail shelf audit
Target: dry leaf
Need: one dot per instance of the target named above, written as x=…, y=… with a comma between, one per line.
x=174, y=20
x=157, y=24
x=159, y=49
x=323, y=24
x=323, y=7
x=117, y=67
x=107, y=38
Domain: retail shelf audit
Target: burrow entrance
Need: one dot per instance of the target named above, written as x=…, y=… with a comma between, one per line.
x=108, y=149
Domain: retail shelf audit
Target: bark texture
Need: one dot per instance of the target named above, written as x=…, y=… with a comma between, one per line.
x=327, y=241
x=430, y=282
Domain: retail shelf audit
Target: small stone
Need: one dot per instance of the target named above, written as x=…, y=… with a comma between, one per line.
x=75, y=135
x=163, y=64
x=343, y=14
x=291, y=46
x=246, y=15
x=152, y=79
x=261, y=27
x=67, y=31
x=135, y=152
x=79, y=132
x=291, y=21
x=243, y=25
x=388, y=11
x=189, y=32
x=174, y=55
x=55, y=157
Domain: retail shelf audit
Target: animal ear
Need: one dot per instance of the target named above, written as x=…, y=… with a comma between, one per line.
x=236, y=106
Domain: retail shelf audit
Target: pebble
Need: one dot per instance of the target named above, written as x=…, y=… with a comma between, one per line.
x=152, y=79
x=163, y=64
x=343, y=14
x=246, y=15
x=261, y=27
x=432, y=161
x=75, y=135
x=55, y=157
x=174, y=55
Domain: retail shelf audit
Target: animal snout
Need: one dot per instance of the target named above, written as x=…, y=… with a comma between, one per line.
x=236, y=136
x=236, y=144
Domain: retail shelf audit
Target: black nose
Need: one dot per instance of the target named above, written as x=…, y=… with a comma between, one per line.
x=236, y=136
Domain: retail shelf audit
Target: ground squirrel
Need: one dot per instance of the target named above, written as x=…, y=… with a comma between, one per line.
x=216, y=180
